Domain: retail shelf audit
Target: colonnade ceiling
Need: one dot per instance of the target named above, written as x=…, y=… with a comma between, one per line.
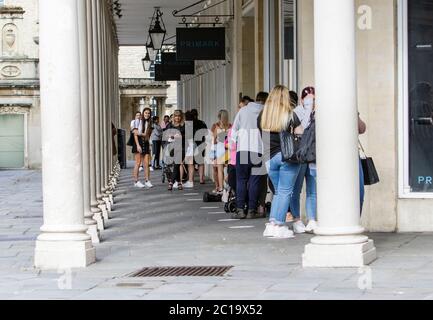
x=134, y=25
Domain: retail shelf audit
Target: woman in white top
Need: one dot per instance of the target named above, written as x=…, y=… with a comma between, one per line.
x=141, y=148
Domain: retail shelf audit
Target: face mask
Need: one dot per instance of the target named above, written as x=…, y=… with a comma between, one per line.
x=309, y=103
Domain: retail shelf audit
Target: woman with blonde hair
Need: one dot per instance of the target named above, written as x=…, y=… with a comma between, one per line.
x=278, y=116
x=220, y=149
x=175, y=132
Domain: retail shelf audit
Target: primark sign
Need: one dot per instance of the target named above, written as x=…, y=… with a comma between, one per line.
x=170, y=62
x=201, y=44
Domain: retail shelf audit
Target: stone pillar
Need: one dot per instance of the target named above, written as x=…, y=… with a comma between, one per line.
x=339, y=241
x=96, y=14
x=63, y=242
x=104, y=101
x=105, y=113
x=142, y=104
x=91, y=20
x=161, y=103
x=84, y=69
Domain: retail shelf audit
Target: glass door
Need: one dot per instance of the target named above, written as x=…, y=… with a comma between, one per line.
x=11, y=141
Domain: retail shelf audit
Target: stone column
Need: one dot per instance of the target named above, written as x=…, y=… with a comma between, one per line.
x=161, y=102
x=84, y=68
x=98, y=104
x=142, y=104
x=63, y=242
x=109, y=103
x=105, y=111
x=91, y=20
x=104, y=102
x=111, y=175
x=339, y=241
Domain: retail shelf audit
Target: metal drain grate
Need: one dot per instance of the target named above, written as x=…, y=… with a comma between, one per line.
x=213, y=271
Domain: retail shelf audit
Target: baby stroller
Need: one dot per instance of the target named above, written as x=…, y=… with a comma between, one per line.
x=229, y=199
x=167, y=169
x=168, y=166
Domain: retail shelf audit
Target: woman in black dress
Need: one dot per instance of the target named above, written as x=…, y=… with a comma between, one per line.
x=176, y=137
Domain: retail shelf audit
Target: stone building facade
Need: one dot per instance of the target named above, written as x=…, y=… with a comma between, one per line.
x=20, y=142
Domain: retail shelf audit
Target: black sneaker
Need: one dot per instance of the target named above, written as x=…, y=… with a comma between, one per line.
x=239, y=214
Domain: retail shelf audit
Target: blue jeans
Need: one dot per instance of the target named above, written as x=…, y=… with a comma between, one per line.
x=283, y=176
x=310, y=175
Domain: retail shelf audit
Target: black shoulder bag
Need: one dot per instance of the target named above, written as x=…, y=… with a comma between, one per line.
x=371, y=176
x=131, y=140
x=307, y=147
x=289, y=143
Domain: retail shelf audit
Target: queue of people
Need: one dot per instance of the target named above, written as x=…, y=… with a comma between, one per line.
x=254, y=154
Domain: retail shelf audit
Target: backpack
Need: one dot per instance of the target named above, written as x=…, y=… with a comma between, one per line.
x=306, y=152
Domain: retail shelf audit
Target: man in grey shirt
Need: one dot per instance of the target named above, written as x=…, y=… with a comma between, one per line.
x=246, y=135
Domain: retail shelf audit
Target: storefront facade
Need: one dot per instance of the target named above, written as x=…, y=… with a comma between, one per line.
x=394, y=45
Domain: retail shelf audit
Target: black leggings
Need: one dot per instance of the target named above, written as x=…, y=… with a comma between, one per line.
x=176, y=169
x=156, y=150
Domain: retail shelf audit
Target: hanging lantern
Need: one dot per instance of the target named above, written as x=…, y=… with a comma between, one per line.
x=147, y=63
x=151, y=51
x=157, y=32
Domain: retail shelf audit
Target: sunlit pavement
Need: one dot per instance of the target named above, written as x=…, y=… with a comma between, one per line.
x=161, y=228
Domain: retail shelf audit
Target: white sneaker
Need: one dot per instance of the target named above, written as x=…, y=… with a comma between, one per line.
x=148, y=184
x=188, y=185
x=270, y=230
x=312, y=225
x=141, y=169
x=176, y=185
x=151, y=169
x=283, y=232
x=299, y=227
x=139, y=185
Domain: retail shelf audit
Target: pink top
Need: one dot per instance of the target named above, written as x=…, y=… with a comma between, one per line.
x=232, y=148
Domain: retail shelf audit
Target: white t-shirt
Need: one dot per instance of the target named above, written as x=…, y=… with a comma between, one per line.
x=138, y=124
x=135, y=124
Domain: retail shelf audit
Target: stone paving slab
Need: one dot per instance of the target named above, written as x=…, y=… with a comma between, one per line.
x=160, y=228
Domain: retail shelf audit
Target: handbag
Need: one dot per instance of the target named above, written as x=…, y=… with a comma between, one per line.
x=371, y=176
x=306, y=152
x=289, y=142
x=131, y=140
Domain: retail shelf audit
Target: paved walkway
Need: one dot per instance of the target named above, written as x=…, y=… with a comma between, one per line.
x=158, y=228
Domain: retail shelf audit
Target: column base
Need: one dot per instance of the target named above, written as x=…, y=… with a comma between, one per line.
x=339, y=255
x=97, y=216
x=108, y=205
x=93, y=232
x=105, y=213
x=54, y=255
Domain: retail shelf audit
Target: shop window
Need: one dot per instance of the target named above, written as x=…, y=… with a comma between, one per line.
x=420, y=94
